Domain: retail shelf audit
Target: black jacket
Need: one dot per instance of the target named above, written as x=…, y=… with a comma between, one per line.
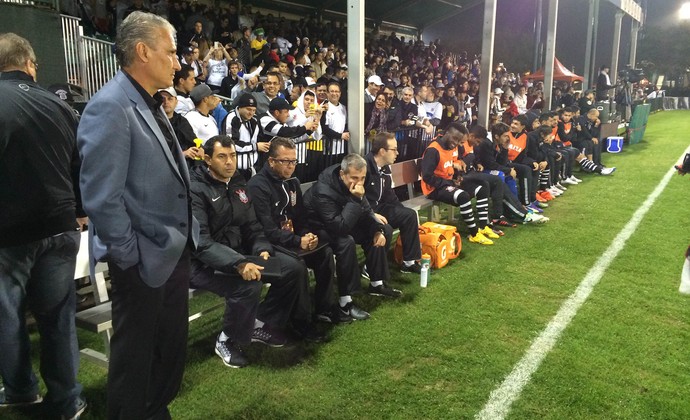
x=39, y=162
x=492, y=157
x=331, y=207
x=228, y=225
x=275, y=201
x=589, y=130
x=379, y=184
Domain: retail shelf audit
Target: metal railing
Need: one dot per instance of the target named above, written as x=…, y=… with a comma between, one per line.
x=53, y=4
x=90, y=62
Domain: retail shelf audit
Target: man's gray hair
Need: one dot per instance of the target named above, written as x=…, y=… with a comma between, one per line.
x=352, y=161
x=407, y=89
x=138, y=27
x=14, y=51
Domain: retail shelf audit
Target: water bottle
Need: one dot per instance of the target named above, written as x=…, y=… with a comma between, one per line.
x=424, y=276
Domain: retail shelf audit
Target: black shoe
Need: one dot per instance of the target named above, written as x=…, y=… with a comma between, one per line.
x=308, y=332
x=231, y=354
x=268, y=338
x=365, y=273
x=334, y=316
x=80, y=408
x=19, y=401
x=383, y=290
x=414, y=268
x=354, y=312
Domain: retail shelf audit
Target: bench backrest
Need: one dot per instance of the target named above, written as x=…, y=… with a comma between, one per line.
x=406, y=173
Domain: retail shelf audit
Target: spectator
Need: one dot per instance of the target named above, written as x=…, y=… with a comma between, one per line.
x=197, y=39
x=39, y=238
x=334, y=125
x=307, y=110
x=604, y=83
x=200, y=118
x=374, y=85
x=149, y=267
x=184, y=82
x=183, y=130
x=244, y=48
x=377, y=119
x=216, y=62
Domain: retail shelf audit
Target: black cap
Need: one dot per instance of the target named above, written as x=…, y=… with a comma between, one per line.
x=300, y=81
x=247, y=99
x=278, y=104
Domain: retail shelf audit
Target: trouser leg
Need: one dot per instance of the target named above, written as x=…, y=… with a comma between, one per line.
x=346, y=267
x=525, y=178
x=495, y=191
x=405, y=219
x=286, y=293
x=376, y=256
x=322, y=264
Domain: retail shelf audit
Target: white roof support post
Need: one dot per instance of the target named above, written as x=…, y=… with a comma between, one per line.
x=355, y=70
x=550, y=53
x=487, y=62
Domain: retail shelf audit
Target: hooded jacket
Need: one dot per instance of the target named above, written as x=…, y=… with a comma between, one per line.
x=228, y=225
x=331, y=207
x=379, y=184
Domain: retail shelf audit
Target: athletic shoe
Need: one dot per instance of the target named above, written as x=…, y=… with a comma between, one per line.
x=19, y=401
x=480, y=239
x=573, y=178
x=271, y=339
x=489, y=233
x=502, y=222
x=540, y=204
x=569, y=181
x=547, y=195
x=608, y=171
x=80, y=408
x=365, y=273
x=414, y=268
x=535, y=208
x=535, y=218
x=231, y=354
x=334, y=316
x=498, y=232
x=383, y=290
x=560, y=186
x=540, y=199
x=354, y=312
x=555, y=192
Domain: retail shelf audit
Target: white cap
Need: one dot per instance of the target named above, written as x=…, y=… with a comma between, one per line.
x=310, y=81
x=498, y=91
x=170, y=91
x=375, y=79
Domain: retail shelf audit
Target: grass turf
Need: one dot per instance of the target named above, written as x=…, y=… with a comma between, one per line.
x=439, y=352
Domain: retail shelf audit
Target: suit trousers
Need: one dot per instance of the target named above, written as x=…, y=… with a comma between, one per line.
x=149, y=343
x=405, y=219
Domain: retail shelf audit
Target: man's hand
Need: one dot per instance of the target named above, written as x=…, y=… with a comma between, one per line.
x=82, y=221
x=480, y=167
x=543, y=165
x=304, y=242
x=513, y=173
x=595, y=140
x=379, y=239
x=250, y=271
x=460, y=165
x=265, y=255
x=311, y=125
x=357, y=190
x=381, y=218
x=346, y=136
x=313, y=241
x=194, y=153
x=535, y=166
x=263, y=146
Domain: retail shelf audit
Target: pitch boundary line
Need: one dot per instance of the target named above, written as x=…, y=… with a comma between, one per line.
x=502, y=398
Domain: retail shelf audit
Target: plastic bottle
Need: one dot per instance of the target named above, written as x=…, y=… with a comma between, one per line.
x=424, y=276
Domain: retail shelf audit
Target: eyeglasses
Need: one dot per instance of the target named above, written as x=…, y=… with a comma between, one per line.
x=393, y=149
x=35, y=64
x=287, y=162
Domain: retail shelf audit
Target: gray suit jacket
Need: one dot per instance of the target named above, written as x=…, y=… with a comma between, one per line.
x=134, y=190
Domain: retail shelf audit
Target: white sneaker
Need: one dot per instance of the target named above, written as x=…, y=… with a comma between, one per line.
x=555, y=192
x=572, y=178
x=569, y=181
x=535, y=218
x=560, y=186
x=608, y=171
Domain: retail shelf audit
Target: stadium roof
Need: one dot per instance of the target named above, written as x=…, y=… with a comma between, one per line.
x=412, y=14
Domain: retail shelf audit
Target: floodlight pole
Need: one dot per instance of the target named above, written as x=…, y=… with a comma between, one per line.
x=355, y=79
x=595, y=32
x=633, y=43
x=550, y=53
x=537, y=35
x=487, y=62
x=616, y=45
x=588, y=45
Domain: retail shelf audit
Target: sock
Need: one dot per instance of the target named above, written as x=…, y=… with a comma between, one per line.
x=258, y=324
x=409, y=263
x=377, y=283
x=589, y=166
x=223, y=337
x=544, y=178
x=344, y=300
x=483, y=211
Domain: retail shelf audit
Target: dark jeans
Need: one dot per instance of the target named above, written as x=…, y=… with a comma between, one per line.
x=149, y=344
x=40, y=275
x=405, y=219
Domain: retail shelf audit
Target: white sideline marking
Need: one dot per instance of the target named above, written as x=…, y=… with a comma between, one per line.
x=501, y=398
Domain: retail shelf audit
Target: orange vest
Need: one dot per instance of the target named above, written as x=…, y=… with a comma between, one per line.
x=517, y=145
x=444, y=168
x=566, y=128
x=556, y=137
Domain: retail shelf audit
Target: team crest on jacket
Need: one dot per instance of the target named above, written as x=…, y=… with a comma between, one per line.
x=293, y=198
x=243, y=196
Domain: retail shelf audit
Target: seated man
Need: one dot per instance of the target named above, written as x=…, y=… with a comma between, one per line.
x=183, y=130
x=384, y=202
x=441, y=181
x=338, y=209
x=203, y=124
x=243, y=126
x=567, y=133
x=588, y=141
x=277, y=199
x=232, y=256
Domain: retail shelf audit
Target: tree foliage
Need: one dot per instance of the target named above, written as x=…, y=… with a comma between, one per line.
x=665, y=50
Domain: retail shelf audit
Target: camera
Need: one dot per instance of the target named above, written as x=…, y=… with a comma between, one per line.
x=631, y=75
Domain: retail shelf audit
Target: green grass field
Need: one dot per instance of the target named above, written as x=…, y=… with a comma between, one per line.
x=437, y=353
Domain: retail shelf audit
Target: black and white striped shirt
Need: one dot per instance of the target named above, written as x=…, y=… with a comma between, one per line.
x=245, y=135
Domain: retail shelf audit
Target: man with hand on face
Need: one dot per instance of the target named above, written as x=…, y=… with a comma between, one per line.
x=277, y=198
x=338, y=209
x=233, y=255
x=183, y=130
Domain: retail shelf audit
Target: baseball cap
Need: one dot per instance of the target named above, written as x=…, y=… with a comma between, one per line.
x=300, y=81
x=170, y=91
x=200, y=92
x=310, y=81
x=247, y=99
x=187, y=50
x=498, y=91
x=259, y=31
x=375, y=79
x=278, y=104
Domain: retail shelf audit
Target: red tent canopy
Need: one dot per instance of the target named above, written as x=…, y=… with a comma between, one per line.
x=560, y=73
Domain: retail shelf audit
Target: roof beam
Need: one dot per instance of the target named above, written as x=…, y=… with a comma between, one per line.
x=403, y=6
x=454, y=13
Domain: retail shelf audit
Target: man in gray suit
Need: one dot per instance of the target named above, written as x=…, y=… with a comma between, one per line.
x=136, y=188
